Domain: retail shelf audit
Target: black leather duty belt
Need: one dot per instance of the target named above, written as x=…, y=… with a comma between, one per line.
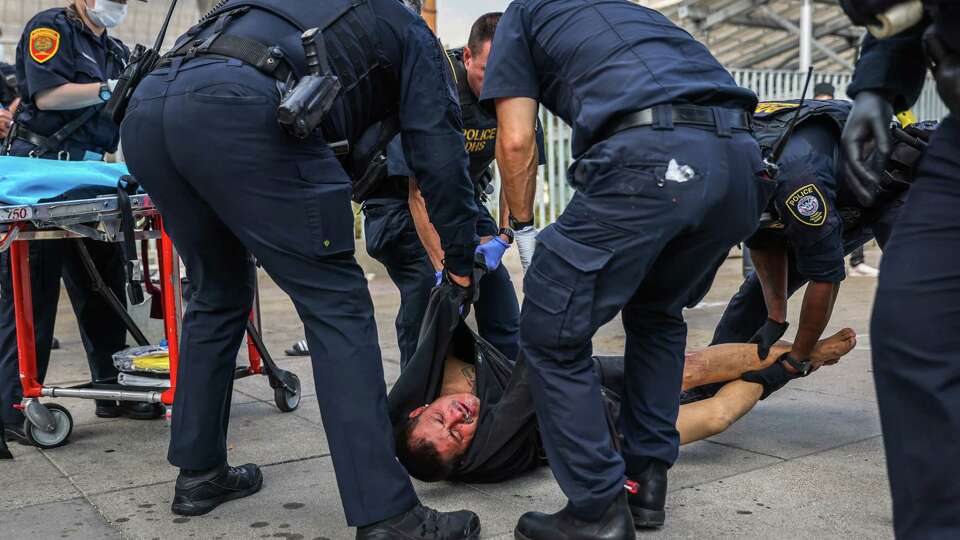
x=721, y=119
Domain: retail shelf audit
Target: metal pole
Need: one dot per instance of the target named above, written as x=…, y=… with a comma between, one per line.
x=806, y=35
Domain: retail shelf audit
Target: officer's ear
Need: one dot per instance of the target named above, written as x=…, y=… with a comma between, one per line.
x=467, y=55
x=418, y=411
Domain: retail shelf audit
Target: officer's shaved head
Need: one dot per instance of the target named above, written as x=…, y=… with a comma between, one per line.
x=483, y=31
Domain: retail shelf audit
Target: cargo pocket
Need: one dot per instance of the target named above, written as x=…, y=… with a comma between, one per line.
x=560, y=289
x=328, y=207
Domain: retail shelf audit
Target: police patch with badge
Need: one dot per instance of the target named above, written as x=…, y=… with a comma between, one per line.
x=808, y=206
x=44, y=44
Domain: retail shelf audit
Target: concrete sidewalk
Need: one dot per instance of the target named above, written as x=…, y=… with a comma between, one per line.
x=806, y=463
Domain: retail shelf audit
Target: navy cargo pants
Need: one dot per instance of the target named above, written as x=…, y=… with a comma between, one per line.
x=392, y=240
x=655, y=213
x=916, y=347
x=206, y=145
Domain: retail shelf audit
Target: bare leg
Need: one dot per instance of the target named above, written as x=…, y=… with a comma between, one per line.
x=709, y=417
x=726, y=362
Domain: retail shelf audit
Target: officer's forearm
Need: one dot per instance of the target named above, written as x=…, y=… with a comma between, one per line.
x=69, y=96
x=771, y=266
x=517, y=154
x=425, y=230
x=814, y=316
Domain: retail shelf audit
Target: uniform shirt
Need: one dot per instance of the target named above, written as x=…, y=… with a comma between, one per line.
x=591, y=62
x=389, y=62
x=58, y=48
x=897, y=66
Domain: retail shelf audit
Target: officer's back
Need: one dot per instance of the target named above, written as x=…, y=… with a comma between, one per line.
x=590, y=74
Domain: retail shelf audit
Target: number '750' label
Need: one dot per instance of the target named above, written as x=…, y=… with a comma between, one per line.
x=16, y=213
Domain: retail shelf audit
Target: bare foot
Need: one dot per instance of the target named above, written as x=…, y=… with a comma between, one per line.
x=829, y=351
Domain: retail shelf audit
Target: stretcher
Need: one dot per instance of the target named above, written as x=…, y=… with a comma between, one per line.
x=38, y=207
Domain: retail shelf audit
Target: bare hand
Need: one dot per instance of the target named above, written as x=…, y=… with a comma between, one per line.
x=6, y=120
x=459, y=280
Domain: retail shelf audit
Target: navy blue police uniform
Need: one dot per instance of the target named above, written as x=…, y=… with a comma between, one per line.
x=392, y=238
x=58, y=48
x=240, y=185
x=8, y=85
x=914, y=316
x=818, y=217
x=666, y=179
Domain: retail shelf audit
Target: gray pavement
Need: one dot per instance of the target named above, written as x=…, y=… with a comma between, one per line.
x=806, y=463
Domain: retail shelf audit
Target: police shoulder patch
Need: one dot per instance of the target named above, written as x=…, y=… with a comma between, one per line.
x=808, y=205
x=44, y=44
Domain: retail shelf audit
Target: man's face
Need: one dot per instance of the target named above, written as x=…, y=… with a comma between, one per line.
x=449, y=423
x=476, y=64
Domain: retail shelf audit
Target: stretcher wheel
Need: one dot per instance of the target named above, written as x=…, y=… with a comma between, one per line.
x=286, y=400
x=60, y=433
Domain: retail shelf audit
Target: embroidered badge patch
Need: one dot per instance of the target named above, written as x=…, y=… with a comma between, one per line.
x=770, y=107
x=808, y=206
x=44, y=44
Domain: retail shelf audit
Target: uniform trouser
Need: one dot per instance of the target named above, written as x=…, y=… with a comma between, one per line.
x=747, y=311
x=101, y=329
x=915, y=347
x=238, y=185
x=392, y=240
x=634, y=242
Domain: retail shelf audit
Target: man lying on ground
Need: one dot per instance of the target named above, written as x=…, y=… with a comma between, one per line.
x=467, y=415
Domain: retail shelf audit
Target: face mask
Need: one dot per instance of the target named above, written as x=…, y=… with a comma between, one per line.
x=107, y=14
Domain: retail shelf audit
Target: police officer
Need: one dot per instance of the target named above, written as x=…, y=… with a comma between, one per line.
x=819, y=221
x=240, y=184
x=398, y=230
x=66, y=65
x=913, y=334
x=666, y=175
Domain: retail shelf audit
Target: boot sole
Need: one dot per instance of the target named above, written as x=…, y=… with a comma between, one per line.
x=199, y=508
x=648, y=519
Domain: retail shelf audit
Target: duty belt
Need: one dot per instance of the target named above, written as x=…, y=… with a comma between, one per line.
x=269, y=59
x=721, y=119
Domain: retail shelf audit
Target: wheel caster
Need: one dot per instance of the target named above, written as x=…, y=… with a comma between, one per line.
x=287, y=400
x=62, y=429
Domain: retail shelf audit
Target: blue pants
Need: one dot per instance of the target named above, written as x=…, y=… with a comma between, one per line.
x=747, y=311
x=630, y=241
x=206, y=145
x=392, y=239
x=916, y=364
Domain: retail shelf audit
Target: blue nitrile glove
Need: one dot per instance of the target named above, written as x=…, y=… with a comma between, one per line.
x=492, y=252
x=439, y=278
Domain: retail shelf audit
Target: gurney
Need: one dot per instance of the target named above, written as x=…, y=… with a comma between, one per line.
x=53, y=200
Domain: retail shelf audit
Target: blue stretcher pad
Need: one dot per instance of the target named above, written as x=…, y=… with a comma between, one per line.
x=31, y=181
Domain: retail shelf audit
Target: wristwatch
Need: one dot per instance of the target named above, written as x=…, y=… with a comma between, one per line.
x=508, y=232
x=801, y=366
x=105, y=93
x=520, y=225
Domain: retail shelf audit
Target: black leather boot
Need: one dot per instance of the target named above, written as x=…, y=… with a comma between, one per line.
x=424, y=523
x=200, y=492
x=615, y=524
x=647, y=495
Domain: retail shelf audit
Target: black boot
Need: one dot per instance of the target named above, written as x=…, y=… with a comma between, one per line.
x=647, y=495
x=422, y=523
x=135, y=410
x=4, y=451
x=200, y=492
x=615, y=524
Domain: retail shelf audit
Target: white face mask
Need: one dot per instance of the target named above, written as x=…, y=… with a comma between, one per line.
x=107, y=14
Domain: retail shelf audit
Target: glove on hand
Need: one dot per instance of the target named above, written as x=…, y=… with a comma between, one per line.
x=492, y=252
x=526, y=240
x=463, y=296
x=867, y=145
x=768, y=335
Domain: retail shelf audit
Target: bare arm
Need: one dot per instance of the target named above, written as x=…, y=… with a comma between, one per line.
x=771, y=265
x=517, y=154
x=425, y=230
x=69, y=96
x=814, y=315
x=712, y=416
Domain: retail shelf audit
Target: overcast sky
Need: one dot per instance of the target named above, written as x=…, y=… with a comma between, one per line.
x=456, y=16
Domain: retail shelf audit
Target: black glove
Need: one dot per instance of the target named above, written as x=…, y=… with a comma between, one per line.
x=867, y=145
x=463, y=297
x=945, y=65
x=768, y=335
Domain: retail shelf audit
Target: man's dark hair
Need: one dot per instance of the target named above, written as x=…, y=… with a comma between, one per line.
x=483, y=31
x=420, y=457
x=824, y=88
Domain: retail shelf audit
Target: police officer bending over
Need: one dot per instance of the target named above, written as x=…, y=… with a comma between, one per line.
x=915, y=317
x=819, y=221
x=667, y=182
x=204, y=140
x=66, y=66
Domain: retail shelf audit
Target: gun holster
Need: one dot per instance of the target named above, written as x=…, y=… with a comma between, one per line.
x=142, y=62
x=310, y=99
